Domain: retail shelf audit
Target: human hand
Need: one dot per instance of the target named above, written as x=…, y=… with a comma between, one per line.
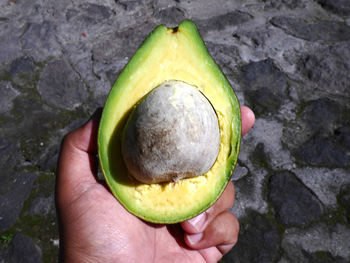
x=95, y=227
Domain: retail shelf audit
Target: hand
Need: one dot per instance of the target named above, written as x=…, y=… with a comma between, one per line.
x=95, y=227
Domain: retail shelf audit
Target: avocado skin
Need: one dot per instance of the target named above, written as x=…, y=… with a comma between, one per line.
x=115, y=114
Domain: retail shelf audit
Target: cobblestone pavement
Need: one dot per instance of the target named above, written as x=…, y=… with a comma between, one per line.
x=289, y=60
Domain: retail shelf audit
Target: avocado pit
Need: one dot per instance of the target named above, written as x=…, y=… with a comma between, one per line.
x=173, y=133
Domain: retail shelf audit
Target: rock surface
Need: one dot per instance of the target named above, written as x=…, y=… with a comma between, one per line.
x=289, y=60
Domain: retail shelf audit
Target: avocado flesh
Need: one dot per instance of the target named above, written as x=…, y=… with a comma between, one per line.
x=169, y=54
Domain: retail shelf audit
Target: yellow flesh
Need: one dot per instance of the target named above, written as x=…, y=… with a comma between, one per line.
x=187, y=63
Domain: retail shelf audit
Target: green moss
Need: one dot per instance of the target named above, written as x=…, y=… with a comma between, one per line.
x=5, y=239
x=259, y=156
x=43, y=229
x=5, y=76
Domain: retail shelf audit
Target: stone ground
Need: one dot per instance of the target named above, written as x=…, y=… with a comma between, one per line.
x=289, y=60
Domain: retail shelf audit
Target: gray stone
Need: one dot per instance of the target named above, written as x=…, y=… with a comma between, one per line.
x=239, y=172
x=327, y=69
x=259, y=241
x=327, y=151
x=325, y=183
x=250, y=194
x=21, y=66
x=12, y=198
x=129, y=5
x=264, y=85
x=93, y=13
x=344, y=199
x=200, y=10
x=331, y=31
x=41, y=206
x=324, y=115
x=23, y=72
x=117, y=46
x=61, y=86
x=282, y=4
x=270, y=134
x=331, y=240
x=9, y=43
x=171, y=16
x=320, y=134
x=323, y=256
x=292, y=201
x=340, y=7
x=10, y=156
x=222, y=21
x=7, y=95
x=24, y=250
x=224, y=55
x=259, y=156
x=39, y=41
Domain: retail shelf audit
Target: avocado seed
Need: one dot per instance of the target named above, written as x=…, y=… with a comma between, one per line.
x=173, y=133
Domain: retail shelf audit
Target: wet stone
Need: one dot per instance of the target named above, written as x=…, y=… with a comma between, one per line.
x=264, y=86
x=61, y=86
x=292, y=201
x=259, y=241
x=320, y=31
x=340, y=7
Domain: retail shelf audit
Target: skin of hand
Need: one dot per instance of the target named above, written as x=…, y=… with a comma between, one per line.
x=95, y=227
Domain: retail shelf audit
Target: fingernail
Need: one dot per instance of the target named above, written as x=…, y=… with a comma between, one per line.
x=198, y=221
x=195, y=238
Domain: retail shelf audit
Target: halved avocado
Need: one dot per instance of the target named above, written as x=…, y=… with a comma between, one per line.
x=169, y=54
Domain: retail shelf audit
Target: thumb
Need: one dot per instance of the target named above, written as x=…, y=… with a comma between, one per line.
x=77, y=160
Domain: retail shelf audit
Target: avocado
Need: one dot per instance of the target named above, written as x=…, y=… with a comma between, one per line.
x=175, y=60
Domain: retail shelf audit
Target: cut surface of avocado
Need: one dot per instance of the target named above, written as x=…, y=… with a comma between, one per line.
x=169, y=54
x=172, y=134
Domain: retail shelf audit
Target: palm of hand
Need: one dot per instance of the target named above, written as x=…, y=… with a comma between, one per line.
x=101, y=221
